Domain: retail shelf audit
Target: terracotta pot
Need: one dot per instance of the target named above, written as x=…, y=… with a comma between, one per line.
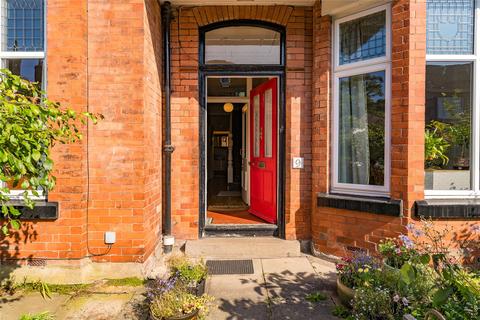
x=190, y=316
x=345, y=293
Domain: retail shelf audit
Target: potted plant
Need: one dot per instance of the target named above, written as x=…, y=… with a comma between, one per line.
x=180, y=296
x=192, y=275
x=178, y=304
x=436, y=144
x=353, y=272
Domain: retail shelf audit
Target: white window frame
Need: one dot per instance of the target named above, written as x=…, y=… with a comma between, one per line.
x=18, y=194
x=475, y=121
x=357, y=68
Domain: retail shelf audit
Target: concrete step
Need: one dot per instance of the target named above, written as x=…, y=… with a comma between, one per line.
x=242, y=248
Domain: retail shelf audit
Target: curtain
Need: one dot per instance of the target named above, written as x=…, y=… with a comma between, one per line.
x=354, y=154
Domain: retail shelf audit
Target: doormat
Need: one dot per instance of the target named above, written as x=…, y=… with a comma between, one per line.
x=229, y=194
x=219, y=267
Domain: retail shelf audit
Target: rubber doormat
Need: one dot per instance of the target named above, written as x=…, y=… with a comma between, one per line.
x=219, y=267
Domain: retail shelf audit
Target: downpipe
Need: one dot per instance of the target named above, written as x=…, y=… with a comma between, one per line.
x=168, y=148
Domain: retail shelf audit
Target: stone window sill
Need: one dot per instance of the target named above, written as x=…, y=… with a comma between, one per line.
x=448, y=208
x=43, y=210
x=381, y=206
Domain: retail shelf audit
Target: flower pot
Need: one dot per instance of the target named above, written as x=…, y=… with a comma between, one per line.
x=389, y=267
x=345, y=293
x=200, y=288
x=190, y=316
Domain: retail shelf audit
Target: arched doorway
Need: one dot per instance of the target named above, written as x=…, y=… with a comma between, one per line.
x=242, y=74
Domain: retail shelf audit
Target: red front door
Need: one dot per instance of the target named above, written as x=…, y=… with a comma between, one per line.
x=263, y=151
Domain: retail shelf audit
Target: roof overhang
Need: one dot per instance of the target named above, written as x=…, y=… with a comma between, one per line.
x=329, y=7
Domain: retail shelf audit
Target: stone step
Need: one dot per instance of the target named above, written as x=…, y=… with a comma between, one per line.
x=242, y=248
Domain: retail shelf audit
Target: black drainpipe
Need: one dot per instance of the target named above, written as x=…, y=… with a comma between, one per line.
x=166, y=11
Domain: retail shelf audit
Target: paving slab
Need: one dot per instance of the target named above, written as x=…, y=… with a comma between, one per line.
x=290, y=282
x=14, y=306
x=242, y=248
x=241, y=296
x=278, y=290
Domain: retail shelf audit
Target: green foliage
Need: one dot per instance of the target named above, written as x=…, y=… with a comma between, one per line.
x=316, y=297
x=373, y=303
x=39, y=316
x=39, y=286
x=190, y=273
x=126, y=282
x=342, y=312
x=436, y=143
x=30, y=125
x=177, y=302
x=458, y=294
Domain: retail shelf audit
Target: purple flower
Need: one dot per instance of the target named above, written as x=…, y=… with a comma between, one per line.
x=407, y=242
x=405, y=301
x=476, y=228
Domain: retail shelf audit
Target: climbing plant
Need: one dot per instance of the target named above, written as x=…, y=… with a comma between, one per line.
x=30, y=125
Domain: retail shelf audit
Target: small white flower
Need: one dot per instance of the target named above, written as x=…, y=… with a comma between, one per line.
x=405, y=301
x=396, y=298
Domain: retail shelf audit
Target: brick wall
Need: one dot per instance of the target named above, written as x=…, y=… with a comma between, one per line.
x=185, y=110
x=114, y=175
x=333, y=230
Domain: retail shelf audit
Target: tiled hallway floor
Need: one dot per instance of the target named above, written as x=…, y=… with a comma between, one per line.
x=234, y=217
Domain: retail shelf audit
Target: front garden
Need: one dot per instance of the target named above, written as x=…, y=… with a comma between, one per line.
x=415, y=276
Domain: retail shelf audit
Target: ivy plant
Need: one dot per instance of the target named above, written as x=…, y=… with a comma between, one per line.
x=30, y=125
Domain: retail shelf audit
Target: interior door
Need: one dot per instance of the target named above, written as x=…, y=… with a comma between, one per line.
x=263, y=151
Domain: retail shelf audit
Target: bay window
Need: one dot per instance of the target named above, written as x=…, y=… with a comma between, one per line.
x=452, y=105
x=361, y=117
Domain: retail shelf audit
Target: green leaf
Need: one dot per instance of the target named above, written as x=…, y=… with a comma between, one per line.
x=441, y=296
x=5, y=230
x=15, y=224
x=36, y=155
x=407, y=273
x=48, y=164
x=425, y=259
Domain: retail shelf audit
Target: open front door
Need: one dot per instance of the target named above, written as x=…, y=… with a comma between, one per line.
x=263, y=151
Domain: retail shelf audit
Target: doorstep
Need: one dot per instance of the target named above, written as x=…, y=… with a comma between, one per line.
x=241, y=230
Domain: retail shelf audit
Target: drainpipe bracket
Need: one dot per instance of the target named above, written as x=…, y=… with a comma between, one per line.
x=168, y=148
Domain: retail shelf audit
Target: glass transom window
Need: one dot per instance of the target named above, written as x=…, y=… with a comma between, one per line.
x=450, y=25
x=363, y=38
x=242, y=45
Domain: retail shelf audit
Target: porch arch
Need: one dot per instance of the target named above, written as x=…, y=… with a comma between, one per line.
x=207, y=15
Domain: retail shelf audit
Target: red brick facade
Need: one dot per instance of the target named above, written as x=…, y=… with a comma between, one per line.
x=106, y=57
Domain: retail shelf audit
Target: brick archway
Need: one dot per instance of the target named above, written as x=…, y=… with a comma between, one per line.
x=212, y=14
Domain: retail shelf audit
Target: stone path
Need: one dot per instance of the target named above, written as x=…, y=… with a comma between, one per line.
x=278, y=289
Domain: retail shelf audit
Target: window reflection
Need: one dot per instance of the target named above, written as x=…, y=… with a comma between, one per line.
x=30, y=69
x=242, y=45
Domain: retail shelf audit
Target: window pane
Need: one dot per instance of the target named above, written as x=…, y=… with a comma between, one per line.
x=450, y=25
x=256, y=124
x=30, y=69
x=363, y=38
x=448, y=125
x=268, y=123
x=361, y=156
x=242, y=45
x=23, y=25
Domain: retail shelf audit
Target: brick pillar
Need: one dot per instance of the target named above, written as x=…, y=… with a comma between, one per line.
x=408, y=100
x=321, y=110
